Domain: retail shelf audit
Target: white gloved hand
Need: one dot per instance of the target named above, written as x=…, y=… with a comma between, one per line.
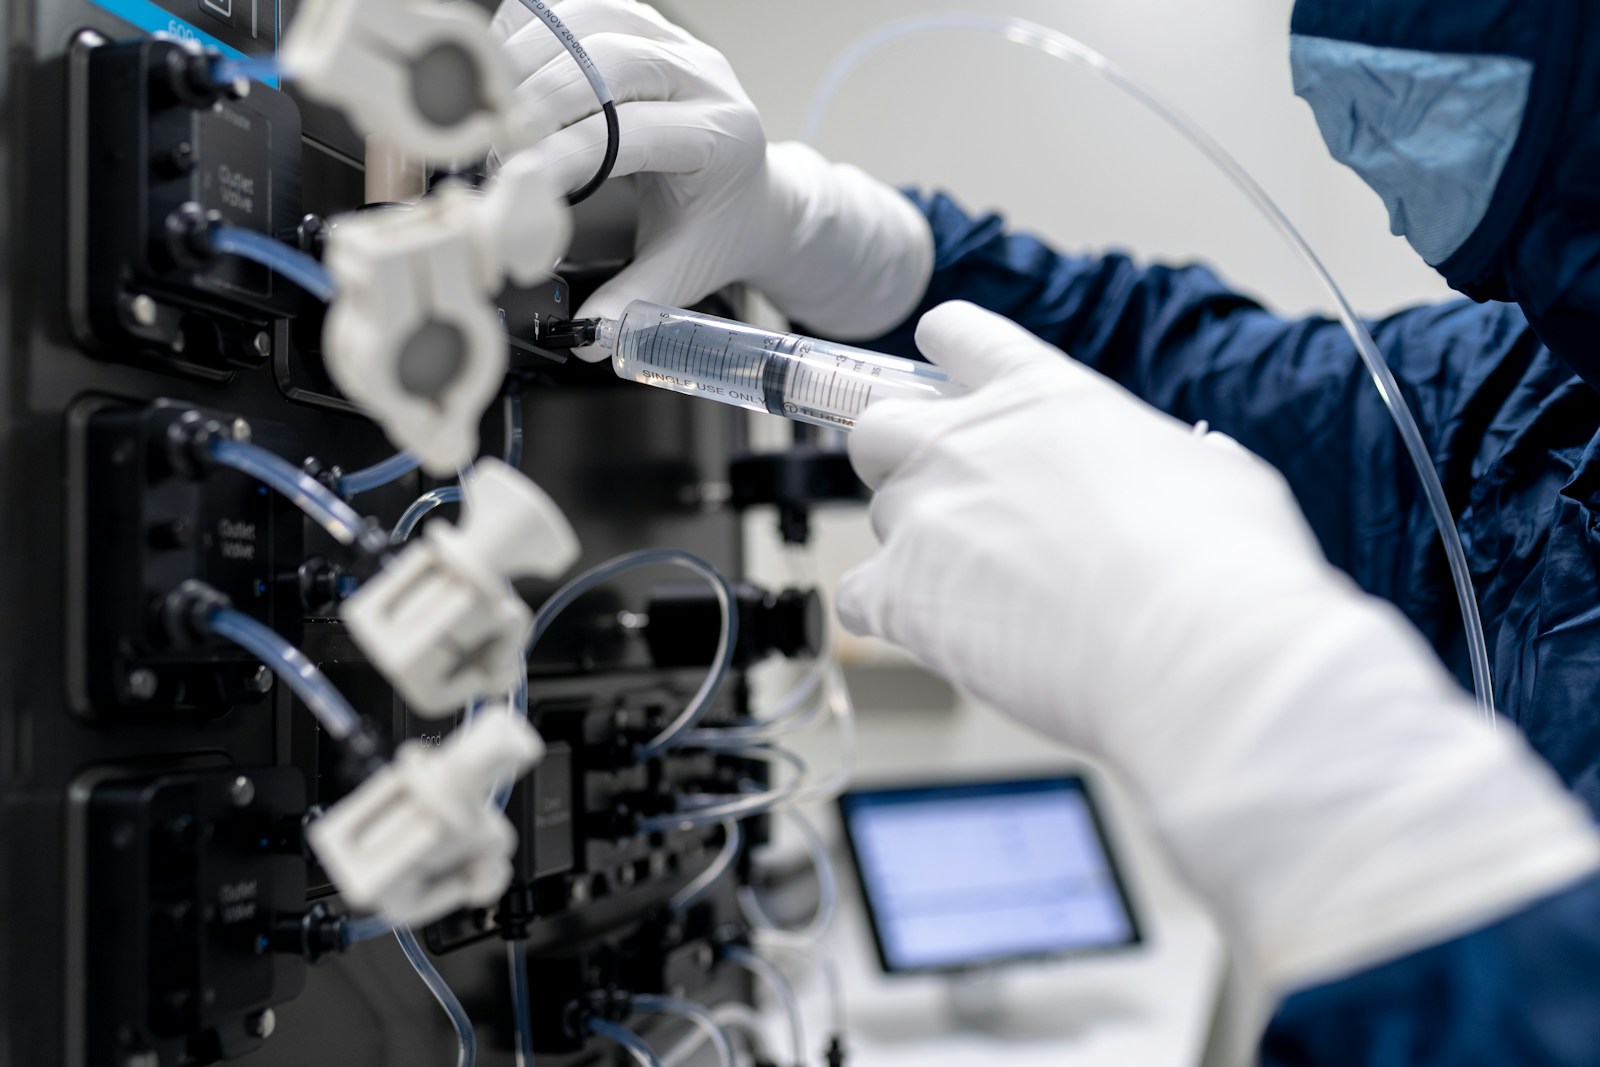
x=1097, y=570
x=830, y=246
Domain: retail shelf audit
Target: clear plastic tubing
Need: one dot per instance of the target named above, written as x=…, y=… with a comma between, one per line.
x=695, y=891
x=366, y=928
x=618, y=1034
x=706, y=1031
x=286, y=262
x=827, y=890
x=231, y=68
x=380, y=474
x=843, y=709
x=825, y=965
x=715, y=809
x=786, y=716
x=512, y=408
x=460, y=1021
x=746, y=1022
x=322, y=504
x=1061, y=46
x=781, y=990
x=519, y=708
x=801, y=378
x=292, y=666
x=697, y=1014
x=521, y=999
x=675, y=732
x=421, y=508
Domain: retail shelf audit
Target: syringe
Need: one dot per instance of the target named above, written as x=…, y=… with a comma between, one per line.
x=802, y=378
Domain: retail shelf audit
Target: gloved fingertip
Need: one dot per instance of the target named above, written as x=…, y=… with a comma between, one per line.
x=884, y=436
x=605, y=304
x=975, y=345
x=1225, y=445
x=592, y=354
x=942, y=316
x=663, y=273
x=936, y=325
x=853, y=601
x=1222, y=442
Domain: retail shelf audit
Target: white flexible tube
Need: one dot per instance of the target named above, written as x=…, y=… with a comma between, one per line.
x=569, y=40
x=629, y=1041
x=321, y=504
x=827, y=891
x=795, y=712
x=511, y=406
x=697, y=1014
x=744, y=1021
x=706, y=811
x=366, y=928
x=379, y=474
x=1061, y=46
x=824, y=964
x=421, y=507
x=290, y=263
x=691, y=894
x=460, y=1021
x=738, y=1021
x=675, y=732
x=782, y=717
x=843, y=709
x=521, y=999
x=292, y=666
x=782, y=991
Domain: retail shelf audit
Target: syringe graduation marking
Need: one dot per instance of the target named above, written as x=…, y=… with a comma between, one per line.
x=700, y=361
x=785, y=374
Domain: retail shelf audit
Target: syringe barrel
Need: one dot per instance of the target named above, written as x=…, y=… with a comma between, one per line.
x=801, y=378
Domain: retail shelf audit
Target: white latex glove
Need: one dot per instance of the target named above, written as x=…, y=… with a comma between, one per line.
x=1097, y=570
x=830, y=246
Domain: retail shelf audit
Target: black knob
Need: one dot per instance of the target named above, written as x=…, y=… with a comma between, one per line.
x=684, y=624
x=178, y=533
x=180, y=74
x=177, y=161
x=311, y=235
x=185, y=236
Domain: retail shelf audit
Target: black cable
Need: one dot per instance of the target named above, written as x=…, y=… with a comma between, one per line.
x=542, y=10
x=609, y=163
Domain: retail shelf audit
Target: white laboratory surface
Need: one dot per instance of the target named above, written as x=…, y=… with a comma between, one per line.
x=1150, y=1006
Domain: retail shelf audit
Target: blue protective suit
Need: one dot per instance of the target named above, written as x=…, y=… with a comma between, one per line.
x=1504, y=390
x=1514, y=431
x=1478, y=122
x=1520, y=993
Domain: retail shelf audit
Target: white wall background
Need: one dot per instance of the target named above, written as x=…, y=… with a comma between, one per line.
x=1064, y=155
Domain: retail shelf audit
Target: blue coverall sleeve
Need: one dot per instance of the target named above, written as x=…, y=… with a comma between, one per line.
x=1292, y=391
x=1523, y=991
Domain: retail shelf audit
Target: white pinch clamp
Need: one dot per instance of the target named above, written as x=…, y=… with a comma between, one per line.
x=413, y=337
x=442, y=622
x=420, y=838
x=427, y=76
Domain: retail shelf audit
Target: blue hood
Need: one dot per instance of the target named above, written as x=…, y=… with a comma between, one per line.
x=1478, y=122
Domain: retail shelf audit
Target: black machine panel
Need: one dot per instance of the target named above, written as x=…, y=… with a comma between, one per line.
x=164, y=154
x=157, y=904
